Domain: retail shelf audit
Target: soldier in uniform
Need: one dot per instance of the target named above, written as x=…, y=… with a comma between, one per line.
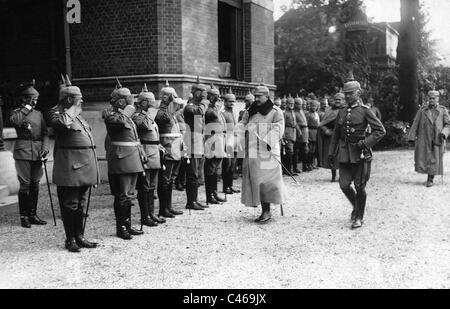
x=283, y=103
x=125, y=158
x=248, y=100
x=429, y=131
x=75, y=167
x=354, y=155
x=301, y=145
x=313, y=120
x=326, y=129
x=180, y=181
x=215, y=130
x=194, y=114
x=144, y=118
x=172, y=141
x=229, y=162
x=262, y=181
x=290, y=136
x=29, y=150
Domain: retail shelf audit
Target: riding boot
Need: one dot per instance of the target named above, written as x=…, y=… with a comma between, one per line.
x=151, y=208
x=68, y=219
x=430, y=181
x=360, y=208
x=121, y=230
x=266, y=215
x=210, y=199
x=350, y=193
x=333, y=175
x=23, y=210
x=33, y=200
x=169, y=203
x=163, y=202
x=127, y=215
x=214, y=189
x=191, y=190
x=79, y=237
x=143, y=206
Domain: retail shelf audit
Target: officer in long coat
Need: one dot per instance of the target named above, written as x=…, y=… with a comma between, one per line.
x=215, y=130
x=313, y=119
x=326, y=129
x=194, y=114
x=125, y=158
x=229, y=162
x=29, y=150
x=75, y=167
x=262, y=181
x=144, y=118
x=354, y=148
x=172, y=141
x=429, y=131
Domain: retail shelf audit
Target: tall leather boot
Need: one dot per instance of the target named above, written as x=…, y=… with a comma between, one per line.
x=214, y=179
x=163, y=202
x=121, y=229
x=350, y=193
x=151, y=208
x=33, y=200
x=127, y=215
x=79, y=237
x=333, y=175
x=169, y=203
x=361, y=199
x=191, y=195
x=142, y=197
x=68, y=218
x=430, y=180
x=266, y=215
x=195, y=193
x=210, y=199
x=23, y=209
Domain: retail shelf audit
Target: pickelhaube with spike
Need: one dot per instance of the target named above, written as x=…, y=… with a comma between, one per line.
x=290, y=99
x=351, y=84
x=199, y=86
x=146, y=95
x=168, y=90
x=230, y=97
x=28, y=90
x=120, y=92
x=213, y=90
x=250, y=97
x=298, y=100
x=66, y=89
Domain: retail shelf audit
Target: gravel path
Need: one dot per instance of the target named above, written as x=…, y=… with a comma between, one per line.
x=404, y=243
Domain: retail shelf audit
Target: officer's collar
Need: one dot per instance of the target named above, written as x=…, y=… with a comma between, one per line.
x=354, y=105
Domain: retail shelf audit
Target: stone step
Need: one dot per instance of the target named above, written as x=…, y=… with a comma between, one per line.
x=4, y=191
x=8, y=204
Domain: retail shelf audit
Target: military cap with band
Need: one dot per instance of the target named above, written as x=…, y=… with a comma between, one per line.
x=262, y=90
x=433, y=93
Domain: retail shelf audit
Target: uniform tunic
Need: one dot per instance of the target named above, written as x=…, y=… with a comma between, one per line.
x=425, y=130
x=326, y=129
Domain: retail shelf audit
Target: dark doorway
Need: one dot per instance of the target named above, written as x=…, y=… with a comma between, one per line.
x=32, y=47
x=231, y=37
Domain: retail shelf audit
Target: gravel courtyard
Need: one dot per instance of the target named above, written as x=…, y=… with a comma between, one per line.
x=404, y=243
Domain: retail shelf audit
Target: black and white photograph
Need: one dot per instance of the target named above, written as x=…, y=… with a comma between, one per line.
x=224, y=150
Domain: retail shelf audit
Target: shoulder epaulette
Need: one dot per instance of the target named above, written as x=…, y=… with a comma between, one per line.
x=365, y=106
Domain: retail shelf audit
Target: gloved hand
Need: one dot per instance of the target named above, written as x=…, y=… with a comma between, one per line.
x=331, y=160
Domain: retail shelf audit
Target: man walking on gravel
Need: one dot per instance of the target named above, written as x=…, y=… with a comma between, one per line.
x=429, y=131
x=355, y=154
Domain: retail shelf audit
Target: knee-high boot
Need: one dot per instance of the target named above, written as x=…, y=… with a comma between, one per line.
x=266, y=215
x=79, y=237
x=24, y=209
x=351, y=196
x=33, y=200
x=121, y=229
x=68, y=217
x=127, y=214
x=146, y=220
x=169, y=202
x=151, y=208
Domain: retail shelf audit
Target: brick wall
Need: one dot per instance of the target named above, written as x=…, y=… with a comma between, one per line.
x=200, y=38
x=169, y=36
x=115, y=37
x=259, y=44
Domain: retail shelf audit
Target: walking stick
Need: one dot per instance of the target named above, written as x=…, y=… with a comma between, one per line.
x=49, y=191
x=87, y=209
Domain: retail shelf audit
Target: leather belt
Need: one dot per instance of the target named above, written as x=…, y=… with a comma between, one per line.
x=175, y=135
x=150, y=142
x=75, y=147
x=312, y=127
x=126, y=144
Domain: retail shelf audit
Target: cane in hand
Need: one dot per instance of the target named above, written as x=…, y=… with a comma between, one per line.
x=44, y=160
